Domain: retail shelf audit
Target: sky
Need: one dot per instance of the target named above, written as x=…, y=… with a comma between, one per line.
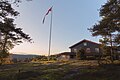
x=71, y=20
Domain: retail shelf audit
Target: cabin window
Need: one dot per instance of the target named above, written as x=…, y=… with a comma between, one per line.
x=75, y=50
x=97, y=49
x=85, y=44
x=118, y=51
x=88, y=50
x=63, y=56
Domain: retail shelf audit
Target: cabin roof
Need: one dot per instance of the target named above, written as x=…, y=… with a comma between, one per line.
x=82, y=42
x=67, y=53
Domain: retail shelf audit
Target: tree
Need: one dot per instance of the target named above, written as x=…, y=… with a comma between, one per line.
x=81, y=54
x=109, y=24
x=10, y=34
x=78, y=55
x=105, y=49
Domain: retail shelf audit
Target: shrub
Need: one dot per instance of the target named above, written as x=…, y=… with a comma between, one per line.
x=81, y=54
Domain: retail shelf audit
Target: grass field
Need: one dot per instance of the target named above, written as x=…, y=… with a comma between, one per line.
x=65, y=70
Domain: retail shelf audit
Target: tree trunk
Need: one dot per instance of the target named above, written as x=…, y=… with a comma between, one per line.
x=1, y=61
x=111, y=50
x=5, y=42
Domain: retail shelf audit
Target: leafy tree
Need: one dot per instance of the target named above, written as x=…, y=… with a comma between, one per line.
x=10, y=35
x=80, y=54
x=105, y=49
x=109, y=24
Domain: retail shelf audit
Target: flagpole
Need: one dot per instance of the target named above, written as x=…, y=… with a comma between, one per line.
x=50, y=35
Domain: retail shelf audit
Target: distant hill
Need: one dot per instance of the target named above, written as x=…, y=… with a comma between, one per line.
x=21, y=56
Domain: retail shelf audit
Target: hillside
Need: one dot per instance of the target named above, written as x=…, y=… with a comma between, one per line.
x=65, y=70
x=21, y=56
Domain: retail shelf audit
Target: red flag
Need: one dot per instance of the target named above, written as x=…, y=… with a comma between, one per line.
x=47, y=14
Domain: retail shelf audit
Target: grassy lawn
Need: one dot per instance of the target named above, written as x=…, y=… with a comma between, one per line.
x=67, y=70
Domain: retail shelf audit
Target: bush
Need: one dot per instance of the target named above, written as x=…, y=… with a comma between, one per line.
x=81, y=54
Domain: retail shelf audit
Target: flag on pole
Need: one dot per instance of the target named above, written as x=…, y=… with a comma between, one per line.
x=49, y=10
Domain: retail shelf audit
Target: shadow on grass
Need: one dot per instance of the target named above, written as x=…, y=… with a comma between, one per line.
x=27, y=75
x=65, y=71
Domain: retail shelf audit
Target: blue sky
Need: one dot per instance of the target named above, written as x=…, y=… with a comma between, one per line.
x=71, y=18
